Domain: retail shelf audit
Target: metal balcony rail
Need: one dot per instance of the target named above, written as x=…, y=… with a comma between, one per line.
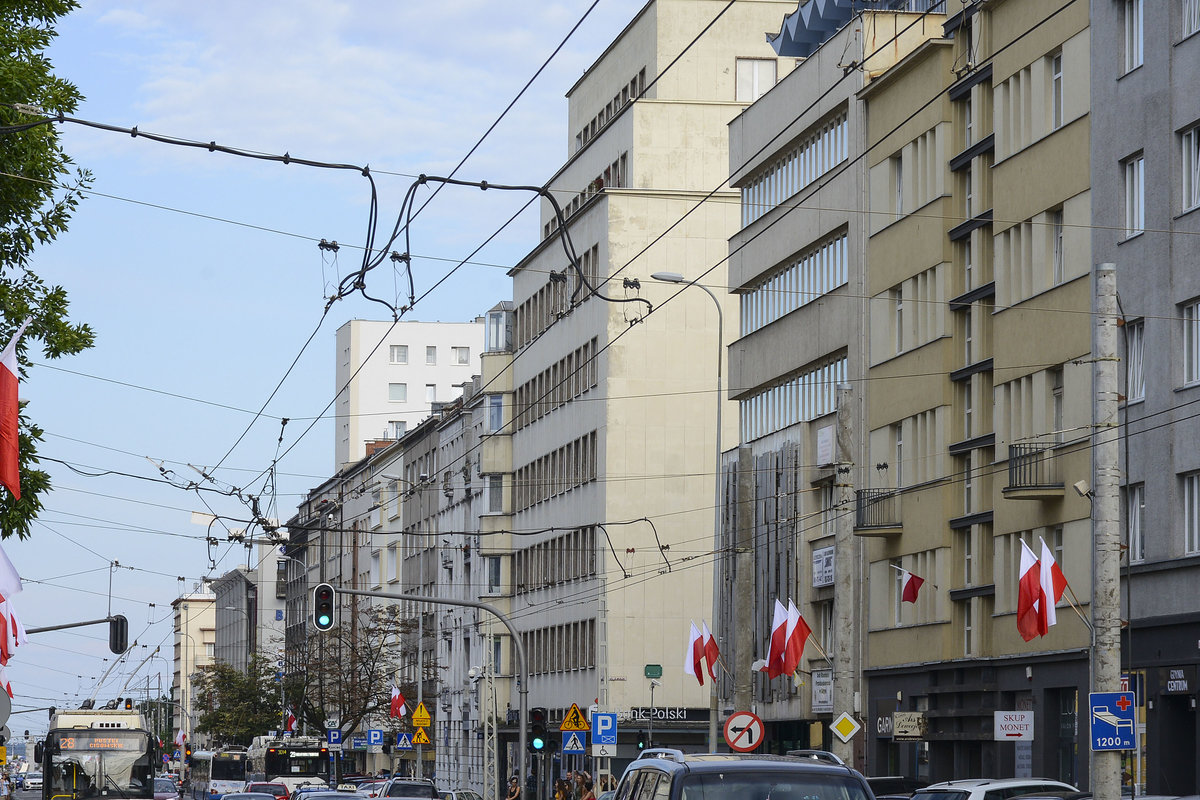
x=876, y=508
x=1032, y=465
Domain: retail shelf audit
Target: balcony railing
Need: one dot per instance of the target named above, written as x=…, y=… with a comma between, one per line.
x=1033, y=471
x=876, y=511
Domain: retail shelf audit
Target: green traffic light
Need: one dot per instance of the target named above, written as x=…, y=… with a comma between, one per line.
x=539, y=743
x=323, y=619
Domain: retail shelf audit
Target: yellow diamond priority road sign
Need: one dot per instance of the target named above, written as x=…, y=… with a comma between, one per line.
x=846, y=726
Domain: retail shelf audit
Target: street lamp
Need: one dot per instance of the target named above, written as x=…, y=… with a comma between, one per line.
x=676, y=278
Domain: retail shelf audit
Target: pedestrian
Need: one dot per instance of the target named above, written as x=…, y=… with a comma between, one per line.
x=560, y=789
x=514, y=789
x=588, y=794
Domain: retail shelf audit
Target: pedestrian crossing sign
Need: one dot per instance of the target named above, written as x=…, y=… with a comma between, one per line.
x=572, y=743
x=403, y=742
x=574, y=720
x=420, y=737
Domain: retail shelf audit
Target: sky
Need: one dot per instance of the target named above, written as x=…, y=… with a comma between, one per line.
x=201, y=275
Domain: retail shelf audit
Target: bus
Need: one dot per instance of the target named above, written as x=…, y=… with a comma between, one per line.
x=221, y=771
x=98, y=752
x=293, y=761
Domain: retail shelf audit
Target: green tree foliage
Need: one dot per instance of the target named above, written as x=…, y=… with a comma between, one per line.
x=236, y=706
x=39, y=190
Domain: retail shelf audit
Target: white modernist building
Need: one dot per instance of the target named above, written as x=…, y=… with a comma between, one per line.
x=389, y=375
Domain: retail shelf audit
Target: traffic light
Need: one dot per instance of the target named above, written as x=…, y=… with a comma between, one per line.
x=323, y=602
x=118, y=633
x=187, y=754
x=641, y=741
x=537, y=730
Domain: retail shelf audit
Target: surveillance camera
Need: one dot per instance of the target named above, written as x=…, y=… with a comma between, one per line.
x=424, y=476
x=472, y=672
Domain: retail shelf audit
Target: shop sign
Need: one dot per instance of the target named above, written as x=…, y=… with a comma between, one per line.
x=822, y=691
x=1179, y=680
x=908, y=726
x=823, y=566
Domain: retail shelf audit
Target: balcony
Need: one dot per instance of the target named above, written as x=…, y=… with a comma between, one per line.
x=1033, y=472
x=877, y=512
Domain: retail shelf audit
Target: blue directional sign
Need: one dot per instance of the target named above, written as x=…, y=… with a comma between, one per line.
x=333, y=735
x=573, y=742
x=1113, y=720
x=604, y=729
x=358, y=743
x=374, y=736
x=403, y=741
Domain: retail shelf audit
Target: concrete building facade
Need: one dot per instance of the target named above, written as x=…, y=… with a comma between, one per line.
x=195, y=644
x=389, y=375
x=1145, y=117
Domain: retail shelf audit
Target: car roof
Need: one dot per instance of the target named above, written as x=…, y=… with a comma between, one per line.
x=676, y=761
x=975, y=783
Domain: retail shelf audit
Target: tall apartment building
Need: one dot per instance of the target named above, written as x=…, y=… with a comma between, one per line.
x=1146, y=196
x=389, y=375
x=195, y=643
x=613, y=438
x=249, y=607
x=797, y=267
x=979, y=387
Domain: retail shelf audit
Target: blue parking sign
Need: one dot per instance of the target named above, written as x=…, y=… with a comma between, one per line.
x=374, y=736
x=333, y=735
x=604, y=729
x=1113, y=720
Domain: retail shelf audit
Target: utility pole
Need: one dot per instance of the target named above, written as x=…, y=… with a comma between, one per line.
x=1106, y=532
x=743, y=583
x=845, y=604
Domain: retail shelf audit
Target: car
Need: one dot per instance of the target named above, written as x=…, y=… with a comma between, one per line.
x=668, y=774
x=989, y=788
x=279, y=790
x=460, y=794
x=894, y=785
x=165, y=789
x=823, y=756
x=409, y=787
x=371, y=788
x=248, y=796
x=33, y=780
x=609, y=795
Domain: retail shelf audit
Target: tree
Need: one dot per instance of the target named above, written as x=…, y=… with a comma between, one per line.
x=35, y=207
x=236, y=706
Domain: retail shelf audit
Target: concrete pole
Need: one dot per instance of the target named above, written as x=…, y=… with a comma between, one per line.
x=1106, y=532
x=743, y=584
x=845, y=605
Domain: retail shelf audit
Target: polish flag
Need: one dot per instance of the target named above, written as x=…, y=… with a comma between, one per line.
x=1031, y=600
x=695, y=654
x=4, y=682
x=10, y=581
x=1054, y=583
x=711, y=651
x=795, y=635
x=398, y=708
x=180, y=738
x=910, y=584
x=775, y=652
x=290, y=723
x=10, y=450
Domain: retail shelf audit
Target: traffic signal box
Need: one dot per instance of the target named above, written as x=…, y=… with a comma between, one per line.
x=537, y=730
x=324, y=598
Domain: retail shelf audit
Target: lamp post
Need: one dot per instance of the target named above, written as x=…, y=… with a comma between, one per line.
x=676, y=278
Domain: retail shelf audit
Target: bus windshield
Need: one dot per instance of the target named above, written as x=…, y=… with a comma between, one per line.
x=91, y=763
x=229, y=767
x=283, y=763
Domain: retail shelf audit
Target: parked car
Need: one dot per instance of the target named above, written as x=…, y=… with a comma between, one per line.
x=33, y=780
x=248, y=796
x=371, y=788
x=989, y=788
x=667, y=774
x=279, y=790
x=895, y=785
x=823, y=756
x=461, y=794
x=165, y=789
x=409, y=787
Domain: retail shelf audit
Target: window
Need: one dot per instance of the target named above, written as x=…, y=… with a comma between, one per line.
x=1135, y=507
x=897, y=166
x=1191, y=17
x=396, y=428
x=968, y=627
x=1055, y=377
x=1191, y=166
x=1056, y=91
x=495, y=413
x=431, y=393
x=1191, y=513
x=1135, y=371
x=755, y=76
x=1191, y=342
x=1135, y=195
x=499, y=331
x=398, y=353
x=898, y=302
x=397, y=392
x=1133, y=34
x=496, y=494
x=461, y=355
x=493, y=574
x=431, y=355
x=1056, y=245
x=968, y=484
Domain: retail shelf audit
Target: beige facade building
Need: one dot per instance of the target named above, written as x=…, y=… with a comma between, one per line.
x=612, y=441
x=195, y=644
x=980, y=395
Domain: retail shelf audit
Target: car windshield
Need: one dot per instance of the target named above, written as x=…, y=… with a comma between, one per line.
x=398, y=789
x=770, y=786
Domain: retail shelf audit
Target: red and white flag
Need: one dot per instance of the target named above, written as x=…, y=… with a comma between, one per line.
x=290, y=722
x=796, y=635
x=1031, y=600
x=711, y=651
x=10, y=581
x=180, y=738
x=398, y=708
x=4, y=682
x=1054, y=583
x=10, y=442
x=12, y=632
x=909, y=586
x=775, y=652
x=694, y=657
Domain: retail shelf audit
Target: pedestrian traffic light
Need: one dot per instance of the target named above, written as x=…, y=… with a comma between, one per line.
x=537, y=730
x=641, y=741
x=323, y=602
x=118, y=633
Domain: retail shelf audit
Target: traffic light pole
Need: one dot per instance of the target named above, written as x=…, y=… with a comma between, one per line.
x=518, y=648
